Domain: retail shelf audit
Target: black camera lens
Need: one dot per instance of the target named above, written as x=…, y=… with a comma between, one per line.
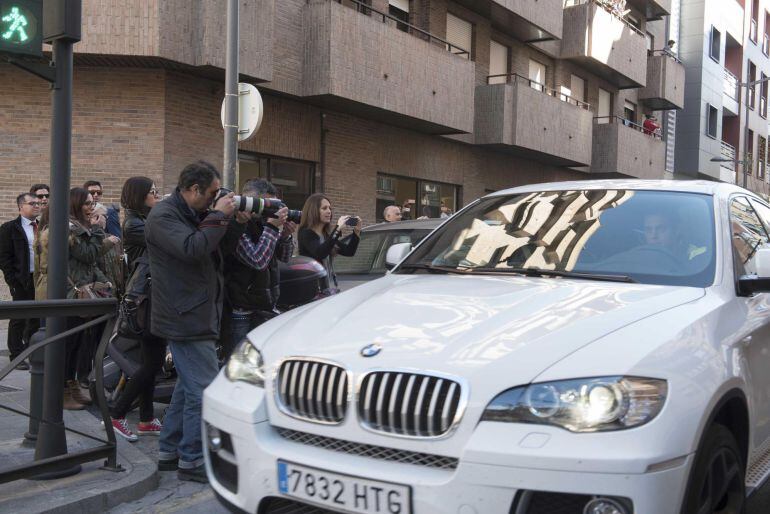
x=294, y=216
x=352, y=221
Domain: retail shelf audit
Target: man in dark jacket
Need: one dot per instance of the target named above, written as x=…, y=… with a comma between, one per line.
x=186, y=243
x=251, y=272
x=17, y=262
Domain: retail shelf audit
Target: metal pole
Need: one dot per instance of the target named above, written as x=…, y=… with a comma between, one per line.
x=51, y=439
x=231, y=96
x=746, y=134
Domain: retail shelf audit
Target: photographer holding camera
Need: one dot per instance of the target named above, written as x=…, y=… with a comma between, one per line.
x=251, y=273
x=319, y=240
x=186, y=244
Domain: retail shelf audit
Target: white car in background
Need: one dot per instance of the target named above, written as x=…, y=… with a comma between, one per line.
x=598, y=347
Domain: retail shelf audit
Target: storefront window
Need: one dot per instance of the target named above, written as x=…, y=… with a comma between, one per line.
x=417, y=198
x=293, y=179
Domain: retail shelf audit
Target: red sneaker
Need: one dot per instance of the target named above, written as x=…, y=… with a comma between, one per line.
x=121, y=428
x=149, y=427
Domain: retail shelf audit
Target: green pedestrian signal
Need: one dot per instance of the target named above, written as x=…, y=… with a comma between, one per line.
x=21, y=24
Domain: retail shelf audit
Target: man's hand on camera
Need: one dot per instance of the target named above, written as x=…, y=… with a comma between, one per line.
x=226, y=204
x=357, y=227
x=242, y=217
x=280, y=218
x=288, y=229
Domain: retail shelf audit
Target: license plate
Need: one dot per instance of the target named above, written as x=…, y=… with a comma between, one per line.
x=343, y=492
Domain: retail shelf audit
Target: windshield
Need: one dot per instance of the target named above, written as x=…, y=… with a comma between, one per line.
x=653, y=237
x=372, y=248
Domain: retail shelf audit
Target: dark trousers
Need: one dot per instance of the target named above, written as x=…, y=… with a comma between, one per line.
x=72, y=348
x=21, y=330
x=142, y=384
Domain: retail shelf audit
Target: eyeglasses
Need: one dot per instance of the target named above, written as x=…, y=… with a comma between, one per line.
x=33, y=204
x=88, y=204
x=43, y=196
x=154, y=192
x=95, y=192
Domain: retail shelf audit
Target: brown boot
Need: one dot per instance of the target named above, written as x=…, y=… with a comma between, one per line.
x=69, y=401
x=78, y=394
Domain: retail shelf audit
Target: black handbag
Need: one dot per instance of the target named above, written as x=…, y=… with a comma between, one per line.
x=135, y=310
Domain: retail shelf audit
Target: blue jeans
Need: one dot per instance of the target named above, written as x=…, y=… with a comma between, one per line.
x=196, y=367
x=240, y=326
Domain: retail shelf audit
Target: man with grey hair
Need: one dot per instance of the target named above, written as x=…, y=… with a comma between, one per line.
x=251, y=273
x=392, y=213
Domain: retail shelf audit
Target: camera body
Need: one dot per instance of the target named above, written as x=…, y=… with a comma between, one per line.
x=352, y=221
x=265, y=207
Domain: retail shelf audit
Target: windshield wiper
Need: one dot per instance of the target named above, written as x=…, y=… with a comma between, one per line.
x=432, y=267
x=539, y=272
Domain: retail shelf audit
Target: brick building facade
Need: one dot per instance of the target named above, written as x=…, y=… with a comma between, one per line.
x=354, y=106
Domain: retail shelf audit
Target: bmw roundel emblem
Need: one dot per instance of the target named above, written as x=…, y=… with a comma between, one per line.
x=370, y=350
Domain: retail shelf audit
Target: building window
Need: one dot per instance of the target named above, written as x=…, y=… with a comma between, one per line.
x=293, y=179
x=766, y=36
x=417, y=198
x=754, y=20
x=752, y=77
x=629, y=111
x=761, y=156
x=399, y=9
x=712, y=121
x=459, y=35
x=536, y=75
x=750, y=157
x=498, y=63
x=763, y=97
x=715, y=48
x=604, y=110
x=576, y=92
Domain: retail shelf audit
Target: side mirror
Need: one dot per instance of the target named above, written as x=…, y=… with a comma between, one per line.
x=759, y=282
x=396, y=254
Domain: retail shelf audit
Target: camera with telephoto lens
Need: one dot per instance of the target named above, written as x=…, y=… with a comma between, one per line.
x=265, y=207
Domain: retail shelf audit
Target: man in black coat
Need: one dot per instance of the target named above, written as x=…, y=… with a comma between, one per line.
x=187, y=241
x=17, y=263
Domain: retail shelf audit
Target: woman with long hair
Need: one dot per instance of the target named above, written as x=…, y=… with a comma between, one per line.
x=139, y=195
x=321, y=240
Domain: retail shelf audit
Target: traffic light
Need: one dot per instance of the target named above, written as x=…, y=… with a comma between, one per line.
x=21, y=27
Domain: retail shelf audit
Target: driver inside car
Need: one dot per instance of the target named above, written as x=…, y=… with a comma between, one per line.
x=660, y=230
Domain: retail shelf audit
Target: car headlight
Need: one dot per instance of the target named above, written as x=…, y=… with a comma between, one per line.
x=246, y=364
x=582, y=405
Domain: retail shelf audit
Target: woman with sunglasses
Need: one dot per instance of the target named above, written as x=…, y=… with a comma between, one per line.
x=86, y=243
x=139, y=195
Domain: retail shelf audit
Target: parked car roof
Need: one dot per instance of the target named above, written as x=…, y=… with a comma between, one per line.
x=428, y=224
x=690, y=186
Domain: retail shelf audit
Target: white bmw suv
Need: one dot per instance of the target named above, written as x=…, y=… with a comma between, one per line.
x=598, y=347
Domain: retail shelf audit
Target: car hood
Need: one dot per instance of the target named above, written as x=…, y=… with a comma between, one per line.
x=508, y=327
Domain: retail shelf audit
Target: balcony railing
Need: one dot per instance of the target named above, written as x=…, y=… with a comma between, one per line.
x=537, y=86
x=666, y=53
x=406, y=27
x=628, y=123
x=728, y=152
x=608, y=6
x=730, y=84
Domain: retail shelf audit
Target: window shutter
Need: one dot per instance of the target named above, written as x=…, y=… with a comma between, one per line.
x=460, y=34
x=498, y=62
x=400, y=4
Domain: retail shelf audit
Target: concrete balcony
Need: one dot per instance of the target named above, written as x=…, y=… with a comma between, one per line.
x=178, y=32
x=525, y=118
x=362, y=64
x=652, y=9
x=598, y=40
x=665, y=83
x=527, y=20
x=620, y=146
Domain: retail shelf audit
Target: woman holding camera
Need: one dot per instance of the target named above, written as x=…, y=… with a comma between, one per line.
x=321, y=240
x=138, y=196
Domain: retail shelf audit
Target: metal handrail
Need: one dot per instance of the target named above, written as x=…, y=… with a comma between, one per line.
x=366, y=9
x=730, y=84
x=608, y=7
x=106, y=309
x=630, y=124
x=542, y=88
x=666, y=53
x=728, y=152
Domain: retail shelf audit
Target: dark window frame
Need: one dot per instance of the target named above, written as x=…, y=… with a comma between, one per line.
x=709, y=110
x=715, y=32
x=313, y=169
x=418, y=191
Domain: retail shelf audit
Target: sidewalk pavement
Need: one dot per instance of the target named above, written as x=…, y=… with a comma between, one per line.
x=91, y=490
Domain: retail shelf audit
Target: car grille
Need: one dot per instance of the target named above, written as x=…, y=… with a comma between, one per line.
x=312, y=390
x=369, y=450
x=409, y=404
